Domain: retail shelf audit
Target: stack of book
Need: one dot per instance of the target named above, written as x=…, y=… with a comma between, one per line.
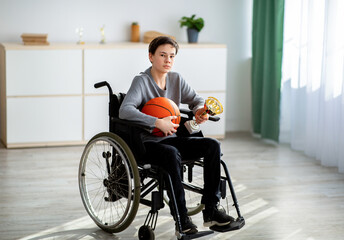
x=34, y=39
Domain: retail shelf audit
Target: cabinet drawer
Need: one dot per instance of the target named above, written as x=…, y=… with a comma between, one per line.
x=96, y=115
x=116, y=66
x=40, y=119
x=37, y=72
x=204, y=69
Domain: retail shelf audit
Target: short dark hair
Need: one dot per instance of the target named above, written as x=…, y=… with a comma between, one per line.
x=162, y=40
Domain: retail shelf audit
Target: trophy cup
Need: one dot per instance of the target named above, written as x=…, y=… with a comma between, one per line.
x=212, y=106
x=102, y=32
x=80, y=32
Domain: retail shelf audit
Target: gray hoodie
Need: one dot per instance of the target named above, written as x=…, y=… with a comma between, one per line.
x=143, y=88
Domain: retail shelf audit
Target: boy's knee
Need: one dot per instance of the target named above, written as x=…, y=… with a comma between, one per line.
x=173, y=157
x=213, y=144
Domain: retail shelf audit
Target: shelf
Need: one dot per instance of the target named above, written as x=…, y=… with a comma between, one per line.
x=126, y=45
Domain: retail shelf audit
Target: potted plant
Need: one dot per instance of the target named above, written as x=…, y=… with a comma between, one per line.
x=194, y=26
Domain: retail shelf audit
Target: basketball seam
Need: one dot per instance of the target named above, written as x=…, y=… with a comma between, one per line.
x=172, y=106
x=171, y=112
x=153, y=104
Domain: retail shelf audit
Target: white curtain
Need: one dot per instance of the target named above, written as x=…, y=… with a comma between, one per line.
x=312, y=90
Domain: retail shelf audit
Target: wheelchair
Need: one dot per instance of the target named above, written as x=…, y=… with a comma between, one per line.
x=114, y=180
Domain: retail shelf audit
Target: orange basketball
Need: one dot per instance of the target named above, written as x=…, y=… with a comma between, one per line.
x=161, y=107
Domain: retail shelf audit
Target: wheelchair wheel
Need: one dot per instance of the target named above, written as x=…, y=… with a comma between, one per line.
x=109, y=182
x=193, y=185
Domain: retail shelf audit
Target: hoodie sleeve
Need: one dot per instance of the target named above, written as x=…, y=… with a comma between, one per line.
x=132, y=104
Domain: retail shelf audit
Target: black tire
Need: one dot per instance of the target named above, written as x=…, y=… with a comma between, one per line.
x=192, y=188
x=192, y=195
x=146, y=233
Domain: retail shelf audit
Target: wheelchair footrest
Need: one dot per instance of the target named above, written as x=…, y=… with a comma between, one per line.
x=196, y=235
x=237, y=224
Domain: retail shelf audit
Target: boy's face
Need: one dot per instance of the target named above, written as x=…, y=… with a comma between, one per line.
x=163, y=58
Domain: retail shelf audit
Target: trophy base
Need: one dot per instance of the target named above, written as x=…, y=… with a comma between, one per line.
x=192, y=127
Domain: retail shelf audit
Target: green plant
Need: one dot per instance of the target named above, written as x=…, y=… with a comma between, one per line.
x=191, y=22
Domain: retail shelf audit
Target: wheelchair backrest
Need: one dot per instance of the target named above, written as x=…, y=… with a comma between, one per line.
x=115, y=103
x=130, y=134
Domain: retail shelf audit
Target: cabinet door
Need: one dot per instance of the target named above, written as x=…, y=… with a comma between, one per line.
x=210, y=128
x=44, y=119
x=116, y=66
x=96, y=115
x=43, y=72
x=203, y=68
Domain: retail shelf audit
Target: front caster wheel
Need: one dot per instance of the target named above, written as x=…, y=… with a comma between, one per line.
x=146, y=233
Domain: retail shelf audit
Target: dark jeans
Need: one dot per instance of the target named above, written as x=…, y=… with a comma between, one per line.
x=168, y=155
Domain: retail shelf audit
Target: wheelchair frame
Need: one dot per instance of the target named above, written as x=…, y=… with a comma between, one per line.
x=112, y=179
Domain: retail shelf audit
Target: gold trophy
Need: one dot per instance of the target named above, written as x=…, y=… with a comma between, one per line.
x=212, y=107
x=80, y=32
x=102, y=32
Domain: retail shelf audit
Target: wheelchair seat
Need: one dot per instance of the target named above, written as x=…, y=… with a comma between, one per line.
x=114, y=178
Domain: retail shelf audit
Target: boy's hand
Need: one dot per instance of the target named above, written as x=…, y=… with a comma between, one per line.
x=201, y=118
x=166, y=125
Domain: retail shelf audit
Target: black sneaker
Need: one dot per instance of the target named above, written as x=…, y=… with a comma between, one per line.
x=217, y=217
x=187, y=226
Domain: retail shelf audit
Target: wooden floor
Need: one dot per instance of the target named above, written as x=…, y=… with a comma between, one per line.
x=282, y=195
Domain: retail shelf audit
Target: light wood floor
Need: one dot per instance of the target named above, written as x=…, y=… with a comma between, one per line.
x=282, y=195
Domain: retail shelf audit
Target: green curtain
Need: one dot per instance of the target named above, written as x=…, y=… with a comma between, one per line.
x=267, y=46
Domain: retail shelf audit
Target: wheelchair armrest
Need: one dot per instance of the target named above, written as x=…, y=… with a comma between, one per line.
x=188, y=112
x=214, y=119
x=128, y=123
x=190, y=115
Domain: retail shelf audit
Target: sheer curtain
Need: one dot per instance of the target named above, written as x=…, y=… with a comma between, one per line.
x=312, y=89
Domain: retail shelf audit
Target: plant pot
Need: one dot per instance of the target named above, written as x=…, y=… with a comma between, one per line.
x=192, y=35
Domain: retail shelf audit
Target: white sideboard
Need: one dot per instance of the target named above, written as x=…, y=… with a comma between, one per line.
x=48, y=98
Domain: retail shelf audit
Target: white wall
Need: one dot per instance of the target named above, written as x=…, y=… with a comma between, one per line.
x=226, y=21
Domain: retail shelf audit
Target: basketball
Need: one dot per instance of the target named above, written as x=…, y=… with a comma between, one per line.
x=161, y=107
